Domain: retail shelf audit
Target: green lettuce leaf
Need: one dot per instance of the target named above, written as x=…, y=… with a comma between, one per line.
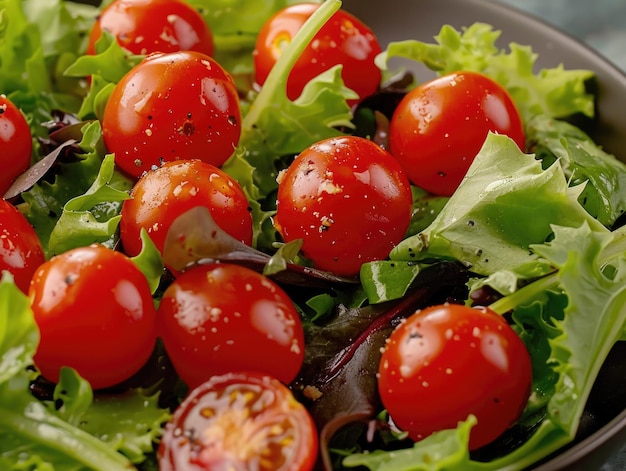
x=554, y=92
x=93, y=216
x=485, y=224
x=572, y=338
x=77, y=430
x=275, y=127
x=91, y=186
x=38, y=39
x=582, y=161
x=19, y=336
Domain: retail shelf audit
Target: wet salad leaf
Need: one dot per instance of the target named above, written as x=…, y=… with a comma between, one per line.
x=535, y=229
x=555, y=92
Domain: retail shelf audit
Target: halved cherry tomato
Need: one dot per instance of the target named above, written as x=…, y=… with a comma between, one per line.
x=95, y=314
x=344, y=39
x=147, y=26
x=449, y=361
x=439, y=127
x=179, y=105
x=217, y=318
x=239, y=421
x=21, y=252
x=16, y=144
x=163, y=194
x=347, y=199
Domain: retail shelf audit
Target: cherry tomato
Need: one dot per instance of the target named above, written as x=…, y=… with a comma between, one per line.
x=21, y=252
x=344, y=39
x=180, y=105
x=439, y=127
x=163, y=194
x=146, y=26
x=16, y=143
x=95, y=313
x=217, y=318
x=347, y=199
x=239, y=421
x=449, y=361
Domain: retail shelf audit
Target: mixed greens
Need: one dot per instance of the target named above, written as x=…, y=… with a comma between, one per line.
x=542, y=231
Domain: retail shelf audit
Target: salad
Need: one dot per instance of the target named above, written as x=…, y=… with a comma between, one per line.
x=532, y=235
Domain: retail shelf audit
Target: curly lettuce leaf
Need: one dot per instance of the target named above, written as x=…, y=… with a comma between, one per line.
x=579, y=333
x=604, y=195
x=77, y=430
x=83, y=203
x=110, y=63
x=554, y=92
x=79, y=224
x=19, y=336
x=485, y=224
x=38, y=38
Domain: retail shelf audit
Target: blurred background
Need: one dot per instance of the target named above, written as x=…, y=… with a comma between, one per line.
x=599, y=23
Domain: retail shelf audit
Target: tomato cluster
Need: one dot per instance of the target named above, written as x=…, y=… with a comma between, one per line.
x=233, y=335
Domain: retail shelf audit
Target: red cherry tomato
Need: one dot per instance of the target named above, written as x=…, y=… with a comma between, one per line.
x=239, y=421
x=217, y=318
x=95, y=313
x=439, y=127
x=21, y=252
x=347, y=199
x=344, y=40
x=449, y=361
x=146, y=26
x=16, y=143
x=163, y=194
x=174, y=106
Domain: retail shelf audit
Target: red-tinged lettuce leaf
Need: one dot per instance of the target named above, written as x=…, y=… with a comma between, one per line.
x=195, y=238
x=338, y=380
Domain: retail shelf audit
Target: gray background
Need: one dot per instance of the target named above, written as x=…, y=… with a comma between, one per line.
x=602, y=25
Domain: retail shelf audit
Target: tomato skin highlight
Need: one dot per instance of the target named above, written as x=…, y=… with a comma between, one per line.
x=147, y=26
x=347, y=199
x=239, y=420
x=439, y=127
x=16, y=144
x=163, y=194
x=95, y=314
x=449, y=361
x=172, y=106
x=344, y=40
x=21, y=252
x=217, y=318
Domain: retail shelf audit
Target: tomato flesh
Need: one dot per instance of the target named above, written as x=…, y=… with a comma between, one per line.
x=16, y=143
x=344, y=39
x=439, y=126
x=347, y=199
x=21, y=252
x=239, y=421
x=147, y=26
x=217, y=318
x=163, y=194
x=95, y=313
x=172, y=106
x=447, y=362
